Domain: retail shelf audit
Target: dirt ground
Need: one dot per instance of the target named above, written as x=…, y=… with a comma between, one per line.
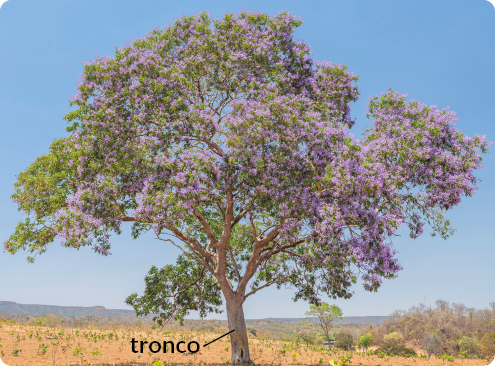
x=98, y=346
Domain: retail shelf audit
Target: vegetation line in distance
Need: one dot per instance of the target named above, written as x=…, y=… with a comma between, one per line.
x=219, y=338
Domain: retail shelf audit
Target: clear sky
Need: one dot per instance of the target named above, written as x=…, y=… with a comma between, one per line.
x=440, y=52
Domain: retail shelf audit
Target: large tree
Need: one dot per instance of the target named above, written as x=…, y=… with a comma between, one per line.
x=225, y=138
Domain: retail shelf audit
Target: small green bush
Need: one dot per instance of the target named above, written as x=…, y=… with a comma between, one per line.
x=396, y=349
x=42, y=349
x=252, y=331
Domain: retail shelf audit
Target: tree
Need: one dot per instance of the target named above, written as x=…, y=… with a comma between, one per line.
x=50, y=320
x=306, y=335
x=326, y=315
x=224, y=138
x=430, y=343
x=365, y=341
x=442, y=304
x=344, y=341
x=459, y=309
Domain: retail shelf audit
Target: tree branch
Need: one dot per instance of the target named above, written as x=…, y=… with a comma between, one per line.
x=200, y=260
x=253, y=226
x=246, y=209
x=205, y=225
x=195, y=247
x=239, y=278
x=264, y=286
x=282, y=248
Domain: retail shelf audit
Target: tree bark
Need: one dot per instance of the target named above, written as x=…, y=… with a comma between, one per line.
x=239, y=338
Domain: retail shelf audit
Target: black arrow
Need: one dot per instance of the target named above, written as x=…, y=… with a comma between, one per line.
x=219, y=338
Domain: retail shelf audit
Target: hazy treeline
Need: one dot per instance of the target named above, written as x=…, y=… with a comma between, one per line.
x=446, y=328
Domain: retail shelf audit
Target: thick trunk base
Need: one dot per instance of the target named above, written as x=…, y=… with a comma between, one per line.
x=239, y=338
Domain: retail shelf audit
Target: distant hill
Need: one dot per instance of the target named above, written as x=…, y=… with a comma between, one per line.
x=10, y=307
x=345, y=320
x=39, y=310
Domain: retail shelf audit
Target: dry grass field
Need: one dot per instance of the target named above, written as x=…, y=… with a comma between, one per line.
x=23, y=345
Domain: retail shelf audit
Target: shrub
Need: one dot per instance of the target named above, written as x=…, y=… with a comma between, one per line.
x=471, y=347
x=396, y=349
x=393, y=337
x=344, y=341
x=320, y=341
x=42, y=349
x=252, y=331
x=488, y=344
x=449, y=358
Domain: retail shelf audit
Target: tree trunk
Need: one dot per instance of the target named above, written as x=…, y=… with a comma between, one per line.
x=239, y=338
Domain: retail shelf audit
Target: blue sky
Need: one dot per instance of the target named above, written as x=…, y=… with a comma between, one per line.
x=440, y=52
